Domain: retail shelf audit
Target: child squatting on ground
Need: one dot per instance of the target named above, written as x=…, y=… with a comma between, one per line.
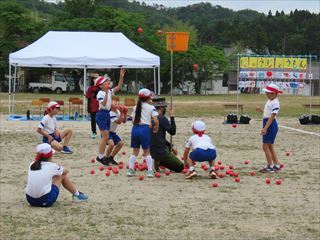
x=104, y=98
x=45, y=178
x=142, y=114
x=118, y=115
x=51, y=135
x=270, y=128
x=202, y=150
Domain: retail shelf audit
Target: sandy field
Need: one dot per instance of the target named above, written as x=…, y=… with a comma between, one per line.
x=170, y=207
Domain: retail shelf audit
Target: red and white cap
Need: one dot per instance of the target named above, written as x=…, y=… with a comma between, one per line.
x=199, y=126
x=99, y=80
x=44, y=150
x=272, y=88
x=145, y=93
x=52, y=105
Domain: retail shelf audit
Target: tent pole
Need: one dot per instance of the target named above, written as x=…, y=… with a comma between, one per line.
x=14, y=86
x=9, y=105
x=238, y=85
x=159, y=80
x=171, y=87
x=154, y=81
x=84, y=92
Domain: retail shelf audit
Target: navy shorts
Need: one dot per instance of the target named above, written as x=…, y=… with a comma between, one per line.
x=103, y=120
x=45, y=139
x=202, y=155
x=141, y=136
x=114, y=137
x=272, y=131
x=46, y=200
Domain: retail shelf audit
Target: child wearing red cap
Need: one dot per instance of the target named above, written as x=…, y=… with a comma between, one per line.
x=104, y=98
x=51, y=135
x=270, y=128
x=202, y=150
x=118, y=115
x=142, y=114
x=45, y=178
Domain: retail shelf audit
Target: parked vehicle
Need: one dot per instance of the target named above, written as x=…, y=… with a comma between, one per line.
x=57, y=82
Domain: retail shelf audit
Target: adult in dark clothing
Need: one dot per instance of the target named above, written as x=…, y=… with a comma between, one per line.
x=161, y=150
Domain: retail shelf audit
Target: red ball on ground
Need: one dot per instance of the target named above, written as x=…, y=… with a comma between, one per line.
x=115, y=170
x=231, y=173
x=141, y=177
x=127, y=166
x=184, y=171
x=237, y=179
x=221, y=175
x=287, y=154
x=268, y=181
x=221, y=167
x=235, y=174
x=123, y=153
x=162, y=167
x=92, y=160
x=252, y=173
x=281, y=165
x=203, y=165
x=91, y=171
x=230, y=166
x=228, y=172
x=101, y=168
x=205, y=168
x=121, y=163
x=278, y=181
x=120, y=166
x=168, y=173
x=215, y=185
x=107, y=173
x=246, y=162
x=110, y=168
x=219, y=162
x=234, y=125
x=157, y=175
x=216, y=168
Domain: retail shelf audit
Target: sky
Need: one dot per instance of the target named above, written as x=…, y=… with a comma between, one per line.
x=258, y=5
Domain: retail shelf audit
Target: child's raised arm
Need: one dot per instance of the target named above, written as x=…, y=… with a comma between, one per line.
x=119, y=86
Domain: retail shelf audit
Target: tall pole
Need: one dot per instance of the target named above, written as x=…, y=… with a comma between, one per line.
x=154, y=81
x=14, y=86
x=171, y=88
x=310, y=78
x=9, y=105
x=84, y=92
x=238, y=84
x=159, y=80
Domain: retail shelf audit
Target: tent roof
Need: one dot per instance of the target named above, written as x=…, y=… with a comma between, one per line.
x=80, y=49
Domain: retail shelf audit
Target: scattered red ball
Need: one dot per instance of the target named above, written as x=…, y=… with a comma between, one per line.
x=123, y=153
x=230, y=166
x=219, y=162
x=287, y=154
x=120, y=166
x=115, y=170
x=246, y=162
x=168, y=173
x=92, y=160
x=234, y=125
x=221, y=175
x=235, y=174
x=162, y=167
x=231, y=173
x=237, y=179
x=101, y=168
x=141, y=177
x=107, y=173
x=215, y=185
x=127, y=166
x=184, y=171
x=228, y=172
x=91, y=171
x=205, y=168
x=120, y=163
x=252, y=173
x=281, y=165
x=109, y=168
x=216, y=168
x=221, y=167
x=268, y=181
x=278, y=181
x=157, y=175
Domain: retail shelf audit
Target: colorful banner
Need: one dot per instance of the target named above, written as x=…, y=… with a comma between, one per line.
x=269, y=62
x=244, y=62
x=253, y=63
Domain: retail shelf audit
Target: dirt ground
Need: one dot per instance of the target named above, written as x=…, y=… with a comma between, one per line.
x=170, y=207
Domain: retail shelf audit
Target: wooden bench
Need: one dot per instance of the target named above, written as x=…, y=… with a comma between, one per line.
x=233, y=107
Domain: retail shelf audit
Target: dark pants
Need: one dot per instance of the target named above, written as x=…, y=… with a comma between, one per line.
x=93, y=122
x=170, y=161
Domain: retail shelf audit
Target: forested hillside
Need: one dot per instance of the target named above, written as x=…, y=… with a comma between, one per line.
x=212, y=28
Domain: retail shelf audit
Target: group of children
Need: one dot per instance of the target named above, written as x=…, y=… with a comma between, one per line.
x=45, y=177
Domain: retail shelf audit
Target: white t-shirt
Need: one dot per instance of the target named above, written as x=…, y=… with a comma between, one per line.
x=100, y=97
x=203, y=142
x=48, y=124
x=40, y=181
x=272, y=106
x=114, y=116
x=147, y=112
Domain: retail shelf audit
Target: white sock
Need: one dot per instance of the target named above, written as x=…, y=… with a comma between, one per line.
x=132, y=160
x=76, y=193
x=149, y=163
x=100, y=156
x=192, y=168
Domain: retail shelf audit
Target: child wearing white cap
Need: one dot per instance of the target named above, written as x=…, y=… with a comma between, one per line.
x=45, y=179
x=202, y=150
x=104, y=98
x=270, y=128
x=51, y=135
x=142, y=114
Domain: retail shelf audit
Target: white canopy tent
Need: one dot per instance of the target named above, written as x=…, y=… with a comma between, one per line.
x=84, y=50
